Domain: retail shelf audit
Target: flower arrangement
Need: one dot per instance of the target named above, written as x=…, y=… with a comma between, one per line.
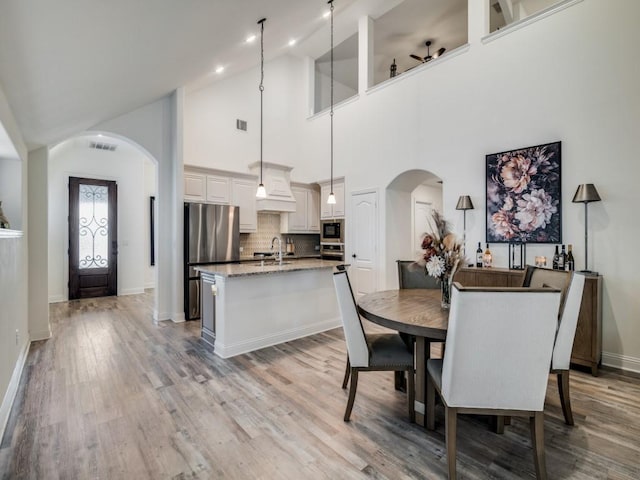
x=442, y=254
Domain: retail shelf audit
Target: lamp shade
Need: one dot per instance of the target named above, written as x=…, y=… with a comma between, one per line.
x=586, y=193
x=464, y=203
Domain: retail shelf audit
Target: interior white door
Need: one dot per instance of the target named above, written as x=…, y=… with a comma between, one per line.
x=364, y=235
x=422, y=212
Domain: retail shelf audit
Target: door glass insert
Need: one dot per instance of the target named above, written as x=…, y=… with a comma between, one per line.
x=93, y=226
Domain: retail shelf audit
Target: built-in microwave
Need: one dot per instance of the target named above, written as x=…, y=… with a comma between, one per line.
x=332, y=231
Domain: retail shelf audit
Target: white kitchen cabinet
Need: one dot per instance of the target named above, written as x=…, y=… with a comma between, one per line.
x=218, y=189
x=306, y=218
x=195, y=187
x=244, y=196
x=332, y=211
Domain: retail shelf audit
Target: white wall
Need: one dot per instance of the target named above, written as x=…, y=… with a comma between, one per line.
x=125, y=166
x=567, y=77
x=13, y=278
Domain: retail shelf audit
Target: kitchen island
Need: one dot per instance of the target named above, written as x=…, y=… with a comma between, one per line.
x=249, y=306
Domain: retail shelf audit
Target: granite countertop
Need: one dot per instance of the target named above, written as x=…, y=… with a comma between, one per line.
x=255, y=268
x=285, y=257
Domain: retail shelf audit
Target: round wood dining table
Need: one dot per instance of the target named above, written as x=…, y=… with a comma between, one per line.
x=417, y=312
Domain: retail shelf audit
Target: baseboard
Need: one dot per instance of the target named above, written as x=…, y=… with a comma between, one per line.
x=227, y=351
x=623, y=362
x=130, y=291
x=42, y=335
x=12, y=388
x=178, y=317
x=57, y=299
x=149, y=285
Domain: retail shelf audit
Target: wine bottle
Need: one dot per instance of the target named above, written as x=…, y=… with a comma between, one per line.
x=571, y=263
x=487, y=258
x=479, y=256
x=556, y=259
x=562, y=259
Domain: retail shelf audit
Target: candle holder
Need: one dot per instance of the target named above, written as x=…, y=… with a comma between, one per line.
x=541, y=261
x=517, y=255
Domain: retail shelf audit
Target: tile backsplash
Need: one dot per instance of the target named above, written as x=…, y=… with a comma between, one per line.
x=269, y=227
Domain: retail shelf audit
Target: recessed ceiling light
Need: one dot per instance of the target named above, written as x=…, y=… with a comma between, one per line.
x=292, y=42
x=219, y=69
x=251, y=38
x=326, y=14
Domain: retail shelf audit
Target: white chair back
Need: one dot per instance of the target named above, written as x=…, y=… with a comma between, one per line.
x=499, y=345
x=353, y=332
x=568, y=323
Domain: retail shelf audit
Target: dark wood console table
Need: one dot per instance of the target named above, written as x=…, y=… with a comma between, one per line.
x=587, y=346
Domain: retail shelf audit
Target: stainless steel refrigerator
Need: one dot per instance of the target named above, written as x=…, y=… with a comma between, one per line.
x=211, y=235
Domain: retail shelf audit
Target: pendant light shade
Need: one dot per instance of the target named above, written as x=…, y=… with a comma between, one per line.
x=261, y=192
x=331, y=200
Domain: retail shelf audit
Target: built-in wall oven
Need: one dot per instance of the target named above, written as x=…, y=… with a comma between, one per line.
x=332, y=240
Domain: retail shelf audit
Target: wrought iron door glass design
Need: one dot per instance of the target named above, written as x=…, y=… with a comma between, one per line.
x=93, y=226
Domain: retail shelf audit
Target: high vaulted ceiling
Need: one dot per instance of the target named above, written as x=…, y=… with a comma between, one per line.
x=67, y=65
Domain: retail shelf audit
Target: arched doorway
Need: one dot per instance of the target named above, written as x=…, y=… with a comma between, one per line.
x=108, y=157
x=410, y=197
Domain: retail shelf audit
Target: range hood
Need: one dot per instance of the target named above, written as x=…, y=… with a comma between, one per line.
x=277, y=183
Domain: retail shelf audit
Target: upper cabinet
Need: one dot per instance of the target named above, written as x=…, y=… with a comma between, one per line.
x=306, y=218
x=332, y=211
x=224, y=188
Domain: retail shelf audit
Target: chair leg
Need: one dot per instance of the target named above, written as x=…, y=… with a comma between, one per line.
x=352, y=394
x=451, y=419
x=497, y=422
x=565, y=397
x=347, y=371
x=430, y=405
x=411, y=395
x=537, y=439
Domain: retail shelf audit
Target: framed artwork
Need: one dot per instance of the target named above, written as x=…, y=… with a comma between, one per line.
x=523, y=195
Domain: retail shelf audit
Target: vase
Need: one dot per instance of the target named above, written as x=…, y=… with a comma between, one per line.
x=445, y=288
x=4, y=222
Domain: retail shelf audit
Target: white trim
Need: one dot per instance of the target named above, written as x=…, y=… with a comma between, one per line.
x=178, y=317
x=8, y=233
x=544, y=13
x=131, y=291
x=420, y=68
x=227, y=351
x=57, y=298
x=41, y=335
x=624, y=362
x=161, y=316
x=12, y=388
x=150, y=285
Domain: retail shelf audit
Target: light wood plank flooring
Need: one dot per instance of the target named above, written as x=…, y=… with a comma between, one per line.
x=113, y=396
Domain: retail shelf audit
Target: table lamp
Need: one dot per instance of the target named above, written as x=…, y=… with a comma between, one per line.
x=464, y=204
x=586, y=193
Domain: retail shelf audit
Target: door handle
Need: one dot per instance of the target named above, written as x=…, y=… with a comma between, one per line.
x=353, y=256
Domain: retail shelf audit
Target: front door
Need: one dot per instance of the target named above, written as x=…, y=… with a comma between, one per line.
x=364, y=229
x=93, y=240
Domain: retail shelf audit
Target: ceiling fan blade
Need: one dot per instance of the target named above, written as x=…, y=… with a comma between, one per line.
x=439, y=52
x=416, y=57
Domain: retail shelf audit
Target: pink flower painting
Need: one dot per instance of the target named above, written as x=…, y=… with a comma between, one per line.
x=523, y=195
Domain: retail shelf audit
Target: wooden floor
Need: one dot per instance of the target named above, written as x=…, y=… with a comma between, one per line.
x=112, y=396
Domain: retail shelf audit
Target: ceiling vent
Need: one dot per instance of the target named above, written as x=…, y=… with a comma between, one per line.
x=103, y=146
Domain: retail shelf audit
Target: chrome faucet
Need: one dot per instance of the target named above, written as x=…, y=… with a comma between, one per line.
x=279, y=248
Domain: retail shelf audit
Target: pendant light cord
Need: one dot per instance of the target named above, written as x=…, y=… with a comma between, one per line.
x=331, y=109
x=261, y=87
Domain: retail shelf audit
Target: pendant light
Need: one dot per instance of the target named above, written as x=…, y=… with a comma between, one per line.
x=331, y=200
x=261, y=192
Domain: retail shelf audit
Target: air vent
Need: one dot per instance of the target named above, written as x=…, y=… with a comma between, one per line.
x=241, y=125
x=103, y=146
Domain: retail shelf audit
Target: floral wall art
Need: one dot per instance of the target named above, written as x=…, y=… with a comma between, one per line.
x=523, y=195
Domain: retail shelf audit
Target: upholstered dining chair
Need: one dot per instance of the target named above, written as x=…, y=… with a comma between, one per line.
x=499, y=347
x=412, y=275
x=572, y=286
x=370, y=352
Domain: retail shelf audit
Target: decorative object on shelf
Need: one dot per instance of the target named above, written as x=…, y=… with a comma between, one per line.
x=4, y=221
x=442, y=256
x=541, y=261
x=331, y=199
x=487, y=258
x=586, y=193
x=393, y=69
x=464, y=204
x=428, y=58
x=261, y=192
x=524, y=196
x=517, y=255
